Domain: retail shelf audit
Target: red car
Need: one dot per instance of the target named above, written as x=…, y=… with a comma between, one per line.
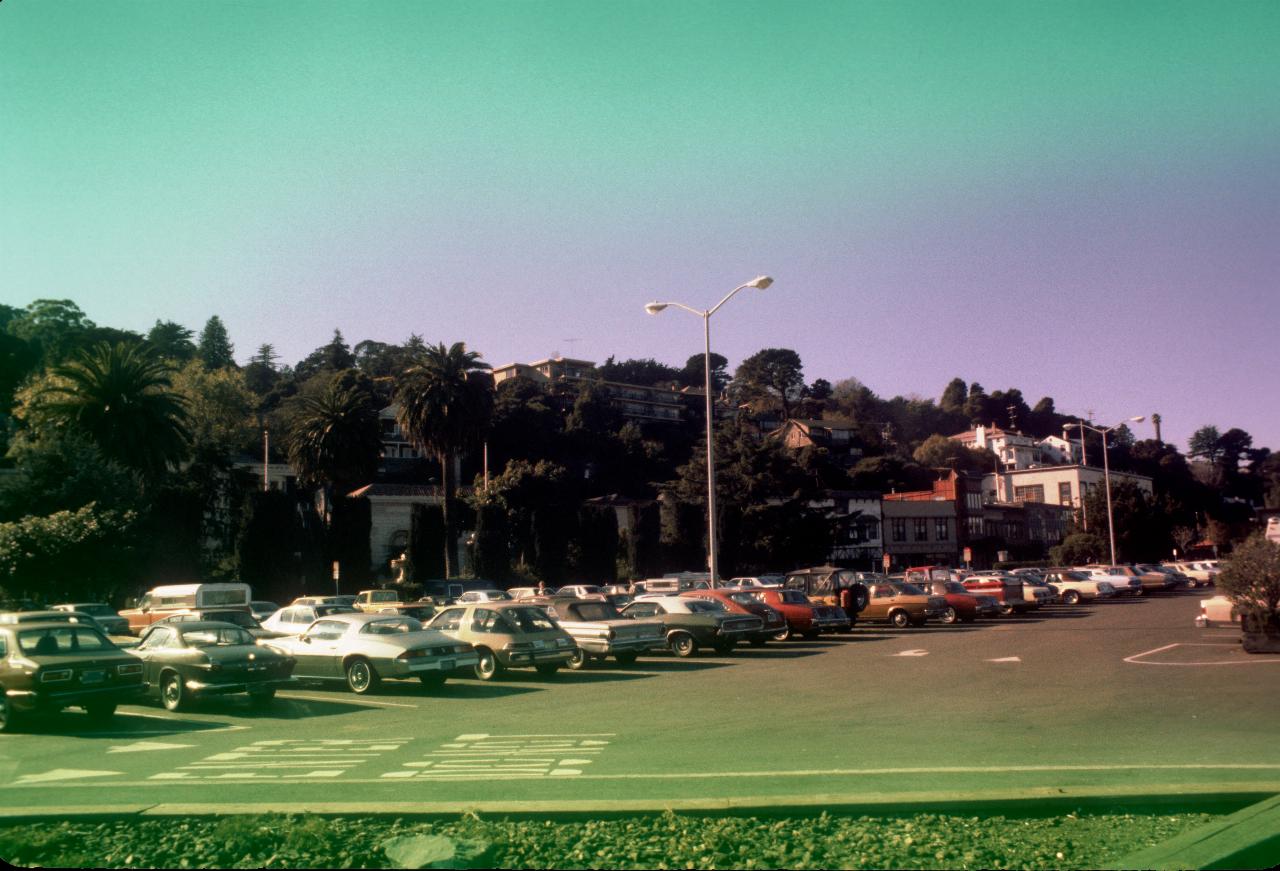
x=774, y=622
x=1005, y=590
x=803, y=617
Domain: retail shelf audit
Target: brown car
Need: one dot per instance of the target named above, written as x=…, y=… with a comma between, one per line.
x=50, y=666
x=902, y=604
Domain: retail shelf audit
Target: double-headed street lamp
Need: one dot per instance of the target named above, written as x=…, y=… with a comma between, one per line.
x=1106, y=468
x=653, y=308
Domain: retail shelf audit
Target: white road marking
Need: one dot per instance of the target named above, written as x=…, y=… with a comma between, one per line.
x=64, y=774
x=1006, y=659
x=345, y=700
x=1134, y=660
x=285, y=757
x=142, y=746
x=911, y=653
x=482, y=756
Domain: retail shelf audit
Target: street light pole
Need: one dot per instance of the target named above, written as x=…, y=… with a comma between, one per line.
x=760, y=282
x=1106, y=471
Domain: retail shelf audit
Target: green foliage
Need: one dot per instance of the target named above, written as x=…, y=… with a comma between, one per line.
x=1252, y=578
x=172, y=341
x=1144, y=531
x=491, y=554
x=647, y=372
x=427, y=542
x=63, y=471
x=54, y=328
x=1080, y=548
x=667, y=840
x=641, y=545
x=214, y=347
x=272, y=549
x=772, y=379
x=593, y=557
x=938, y=451
x=67, y=554
x=334, y=437
x=334, y=356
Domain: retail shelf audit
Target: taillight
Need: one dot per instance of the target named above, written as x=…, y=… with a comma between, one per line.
x=55, y=675
x=129, y=668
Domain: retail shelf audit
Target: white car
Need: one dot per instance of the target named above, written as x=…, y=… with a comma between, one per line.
x=1125, y=585
x=1202, y=573
x=1074, y=586
x=758, y=582
x=477, y=596
x=1217, y=611
x=294, y=619
x=579, y=591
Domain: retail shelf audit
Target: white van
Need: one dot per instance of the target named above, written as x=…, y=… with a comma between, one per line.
x=162, y=601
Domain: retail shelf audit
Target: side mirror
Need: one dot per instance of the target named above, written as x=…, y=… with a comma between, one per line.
x=305, y=639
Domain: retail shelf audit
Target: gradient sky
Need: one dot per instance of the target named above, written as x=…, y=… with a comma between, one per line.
x=1081, y=200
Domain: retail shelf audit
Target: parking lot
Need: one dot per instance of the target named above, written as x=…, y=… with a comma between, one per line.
x=1112, y=698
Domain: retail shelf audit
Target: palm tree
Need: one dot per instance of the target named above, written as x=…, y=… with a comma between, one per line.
x=121, y=397
x=445, y=402
x=334, y=437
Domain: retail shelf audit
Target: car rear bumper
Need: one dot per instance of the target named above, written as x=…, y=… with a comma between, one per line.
x=607, y=646
x=537, y=657
x=35, y=700
x=428, y=664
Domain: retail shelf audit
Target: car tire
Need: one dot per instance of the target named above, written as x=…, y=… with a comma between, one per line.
x=263, y=697
x=433, y=681
x=1071, y=597
x=578, y=660
x=362, y=677
x=547, y=669
x=682, y=644
x=1005, y=610
x=173, y=695
x=488, y=667
x=785, y=634
x=950, y=616
x=1141, y=591
x=8, y=716
x=900, y=619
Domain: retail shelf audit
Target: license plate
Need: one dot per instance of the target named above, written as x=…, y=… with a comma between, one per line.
x=538, y=645
x=92, y=676
x=447, y=665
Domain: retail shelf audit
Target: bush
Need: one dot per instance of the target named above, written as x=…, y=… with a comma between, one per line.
x=1252, y=581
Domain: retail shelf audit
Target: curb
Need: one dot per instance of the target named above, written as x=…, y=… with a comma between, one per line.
x=1248, y=838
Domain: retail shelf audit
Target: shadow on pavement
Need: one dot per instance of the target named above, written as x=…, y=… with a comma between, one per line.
x=76, y=724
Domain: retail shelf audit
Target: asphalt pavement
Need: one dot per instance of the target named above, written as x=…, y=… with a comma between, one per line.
x=1115, y=699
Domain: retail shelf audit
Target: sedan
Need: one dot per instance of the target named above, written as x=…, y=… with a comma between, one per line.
x=105, y=616
x=185, y=660
x=294, y=619
x=507, y=635
x=364, y=649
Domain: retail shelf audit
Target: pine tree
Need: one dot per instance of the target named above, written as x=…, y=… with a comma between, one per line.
x=215, y=349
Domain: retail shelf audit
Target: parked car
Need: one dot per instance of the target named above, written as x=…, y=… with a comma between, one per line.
x=420, y=611
x=579, y=591
x=963, y=605
x=243, y=619
x=902, y=605
x=1202, y=574
x=365, y=649
x=507, y=635
x=48, y=666
x=294, y=619
x=1218, y=611
x=803, y=617
x=471, y=596
x=694, y=623
x=600, y=630
x=1152, y=582
x=1181, y=579
x=1075, y=586
x=753, y=581
x=337, y=601
x=518, y=593
x=1124, y=584
x=161, y=601
x=1005, y=589
x=262, y=609
x=186, y=660
x=824, y=584
x=1041, y=592
x=103, y=614
x=774, y=622
x=51, y=616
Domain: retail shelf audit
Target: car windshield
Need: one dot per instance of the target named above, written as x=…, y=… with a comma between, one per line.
x=216, y=636
x=955, y=587
x=794, y=597
x=594, y=611
x=391, y=626
x=95, y=610
x=529, y=619
x=742, y=598
x=62, y=639
x=326, y=610
x=911, y=590
x=705, y=606
x=237, y=618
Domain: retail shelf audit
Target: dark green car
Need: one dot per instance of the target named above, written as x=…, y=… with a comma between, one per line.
x=186, y=660
x=51, y=666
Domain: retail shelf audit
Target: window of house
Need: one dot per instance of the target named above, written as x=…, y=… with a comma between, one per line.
x=1064, y=493
x=899, y=529
x=922, y=529
x=942, y=528
x=1032, y=493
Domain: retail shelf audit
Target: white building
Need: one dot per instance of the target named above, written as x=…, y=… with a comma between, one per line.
x=1056, y=485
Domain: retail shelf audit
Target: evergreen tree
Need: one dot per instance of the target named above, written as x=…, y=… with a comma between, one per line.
x=214, y=348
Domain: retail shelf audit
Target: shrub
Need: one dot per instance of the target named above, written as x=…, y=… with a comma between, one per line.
x=1252, y=581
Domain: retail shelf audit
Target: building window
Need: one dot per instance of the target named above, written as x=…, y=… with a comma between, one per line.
x=1064, y=493
x=975, y=527
x=922, y=529
x=942, y=528
x=1033, y=493
x=899, y=529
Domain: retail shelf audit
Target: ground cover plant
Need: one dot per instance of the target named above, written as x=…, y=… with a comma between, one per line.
x=660, y=841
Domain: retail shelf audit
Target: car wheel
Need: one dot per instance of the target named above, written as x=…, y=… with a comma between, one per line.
x=488, y=666
x=7, y=714
x=1005, y=610
x=172, y=693
x=260, y=698
x=1071, y=597
x=950, y=616
x=547, y=669
x=100, y=712
x=627, y=658
x=433, y=681
x=578, y=661
x=1141, y=591
x=683, y=644
x=361, y=676
x=785, y=634
x=900, y=619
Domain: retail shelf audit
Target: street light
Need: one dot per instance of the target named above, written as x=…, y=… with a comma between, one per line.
x=1106, y=468
x=760, y=282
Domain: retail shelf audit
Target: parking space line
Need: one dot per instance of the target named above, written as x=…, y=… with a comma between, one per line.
x=1134, y=659
x=346, y=700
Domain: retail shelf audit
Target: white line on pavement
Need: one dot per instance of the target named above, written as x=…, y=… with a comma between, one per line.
x=345, y=700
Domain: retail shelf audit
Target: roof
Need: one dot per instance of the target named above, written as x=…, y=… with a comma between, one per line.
x=402, y=491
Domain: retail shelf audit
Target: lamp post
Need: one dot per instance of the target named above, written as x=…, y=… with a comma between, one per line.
x=1106, y=469
x=760, y=282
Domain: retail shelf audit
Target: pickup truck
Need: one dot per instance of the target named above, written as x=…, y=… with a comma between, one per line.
x=380, y=601
x=599, y=630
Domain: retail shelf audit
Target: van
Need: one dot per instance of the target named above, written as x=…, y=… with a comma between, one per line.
x=162, y=601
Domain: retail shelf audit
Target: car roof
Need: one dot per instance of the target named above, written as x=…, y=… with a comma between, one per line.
x=203, y=624
x=50, y=616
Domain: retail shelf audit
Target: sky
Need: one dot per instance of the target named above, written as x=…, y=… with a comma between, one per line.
x=1080, y=200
